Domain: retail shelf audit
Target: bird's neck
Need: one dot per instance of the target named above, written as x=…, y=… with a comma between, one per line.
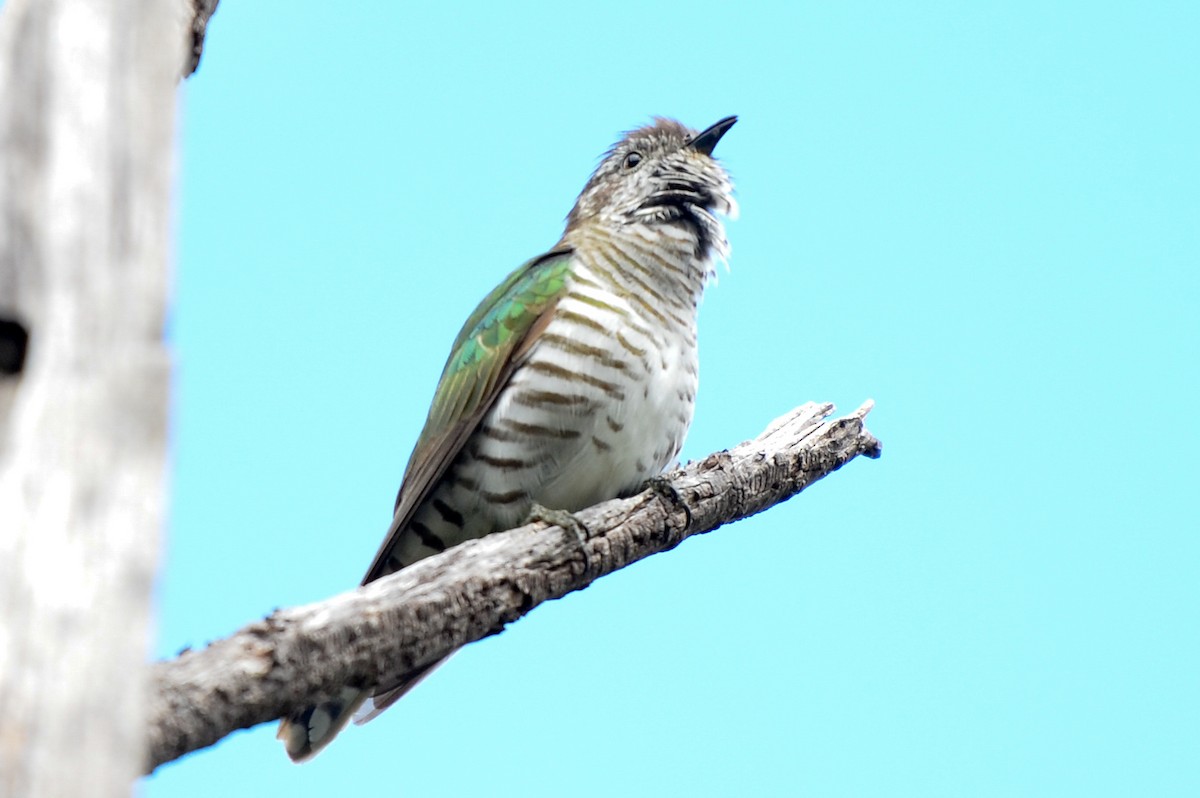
x=663, y=260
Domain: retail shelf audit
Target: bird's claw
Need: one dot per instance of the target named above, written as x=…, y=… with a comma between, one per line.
x=568, y=522
x=663, y=487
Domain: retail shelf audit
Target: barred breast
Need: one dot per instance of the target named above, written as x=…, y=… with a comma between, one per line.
x=601, y=403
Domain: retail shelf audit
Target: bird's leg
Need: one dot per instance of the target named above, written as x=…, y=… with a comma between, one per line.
x=663, y=487
x=568, y=522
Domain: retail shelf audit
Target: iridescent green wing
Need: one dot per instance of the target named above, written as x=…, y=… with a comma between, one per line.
x=483, y=357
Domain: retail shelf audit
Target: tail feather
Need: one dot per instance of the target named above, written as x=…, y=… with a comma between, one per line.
x=305, y=732
x=382, y=699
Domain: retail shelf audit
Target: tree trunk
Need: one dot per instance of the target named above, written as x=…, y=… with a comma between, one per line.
x=87, y=108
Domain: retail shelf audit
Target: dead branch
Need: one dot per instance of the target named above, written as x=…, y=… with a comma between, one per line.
x=399, y=623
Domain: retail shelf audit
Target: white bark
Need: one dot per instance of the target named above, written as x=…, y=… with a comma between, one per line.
x=87, y=107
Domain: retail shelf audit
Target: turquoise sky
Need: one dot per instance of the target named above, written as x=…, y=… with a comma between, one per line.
x=984, y=216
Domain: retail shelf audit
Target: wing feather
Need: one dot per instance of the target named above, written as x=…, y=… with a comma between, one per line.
x=490, y=345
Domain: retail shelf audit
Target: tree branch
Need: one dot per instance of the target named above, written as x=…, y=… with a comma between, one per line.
x=391, y=627
x=201, y=13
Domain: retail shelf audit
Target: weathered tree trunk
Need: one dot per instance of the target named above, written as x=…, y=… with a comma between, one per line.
x=415, y=617
x=87, y=108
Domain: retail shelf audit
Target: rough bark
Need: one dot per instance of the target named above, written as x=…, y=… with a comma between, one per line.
x=86, y=125
x=412, y=618
x=201, y=13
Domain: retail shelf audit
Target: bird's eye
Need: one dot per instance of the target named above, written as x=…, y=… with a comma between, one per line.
x=631, y=160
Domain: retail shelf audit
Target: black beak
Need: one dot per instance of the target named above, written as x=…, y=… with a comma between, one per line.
x=704, y=142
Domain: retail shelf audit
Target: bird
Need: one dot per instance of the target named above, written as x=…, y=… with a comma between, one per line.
x=573, y=382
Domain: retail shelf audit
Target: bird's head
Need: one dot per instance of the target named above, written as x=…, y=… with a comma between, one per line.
x=661, y=174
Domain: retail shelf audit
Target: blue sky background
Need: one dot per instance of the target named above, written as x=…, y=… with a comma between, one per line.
x=984, y=216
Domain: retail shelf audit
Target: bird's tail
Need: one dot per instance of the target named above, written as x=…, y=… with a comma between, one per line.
x=305, y=732
x=382, y=699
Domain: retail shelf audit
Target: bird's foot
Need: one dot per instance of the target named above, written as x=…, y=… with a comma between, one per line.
x=568, y=522
x=663, y=487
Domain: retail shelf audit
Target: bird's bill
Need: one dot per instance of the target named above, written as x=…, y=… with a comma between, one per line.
x=705, y=141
